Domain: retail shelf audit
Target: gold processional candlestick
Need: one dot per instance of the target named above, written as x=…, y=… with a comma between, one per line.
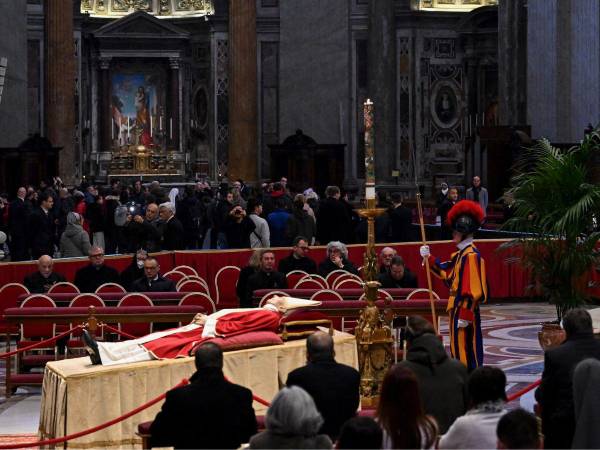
x=373, y=335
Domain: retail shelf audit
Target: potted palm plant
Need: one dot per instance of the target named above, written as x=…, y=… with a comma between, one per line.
x=556, y=203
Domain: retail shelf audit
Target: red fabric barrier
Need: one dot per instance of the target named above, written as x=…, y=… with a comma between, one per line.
x=504, y=280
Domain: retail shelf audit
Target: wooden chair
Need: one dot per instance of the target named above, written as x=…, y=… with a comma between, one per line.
x=197, y=278
x=326, y=295
x=110, y=288
x=175, y=276
x=225, y=283
x=345, y=277
x=135, y=329
x=381, y=295
x=294, y=276
x=191, y=286
x=64, y=287
x=268, y=296
x=187, y=270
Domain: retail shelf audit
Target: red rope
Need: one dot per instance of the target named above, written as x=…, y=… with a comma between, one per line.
x=523, y=391
x=116, y=330
x=94, y=429
x=40, y=343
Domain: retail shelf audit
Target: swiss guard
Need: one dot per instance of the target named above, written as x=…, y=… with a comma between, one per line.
x=465, y=275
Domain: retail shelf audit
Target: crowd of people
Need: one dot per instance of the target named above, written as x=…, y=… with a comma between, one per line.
x=50, y=219
x=427, y=401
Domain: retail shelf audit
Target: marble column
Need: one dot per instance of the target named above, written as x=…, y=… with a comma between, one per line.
x=60, y=83
x=243, y=142
x=381, y=57
x=512, y=62
x=174, y=105
x=104, y=115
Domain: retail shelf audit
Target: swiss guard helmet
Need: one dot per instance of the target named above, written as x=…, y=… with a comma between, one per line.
x=465, y=217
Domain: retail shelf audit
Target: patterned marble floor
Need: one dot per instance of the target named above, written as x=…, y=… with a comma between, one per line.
x=510, y=341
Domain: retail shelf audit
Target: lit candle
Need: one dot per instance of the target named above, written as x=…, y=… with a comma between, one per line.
x=369, y=150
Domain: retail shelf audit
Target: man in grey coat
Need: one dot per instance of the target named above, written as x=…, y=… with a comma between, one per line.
x=478, y=193
x=443, y=380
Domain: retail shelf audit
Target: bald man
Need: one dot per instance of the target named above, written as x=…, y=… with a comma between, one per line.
x=39, y=282
x=333, y=386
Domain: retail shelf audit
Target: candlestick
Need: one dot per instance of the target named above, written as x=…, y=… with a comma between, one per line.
x=369, y=150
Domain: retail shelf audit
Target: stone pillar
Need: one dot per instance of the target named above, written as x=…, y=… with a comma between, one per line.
x=104, y=114
x=381, y=57
x=174, y=105
x=512, y=62
x=60, y=83
x=243, y=143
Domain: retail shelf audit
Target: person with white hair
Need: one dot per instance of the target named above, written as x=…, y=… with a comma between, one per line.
x=386, y=255
x=39, y=282
x=292, y=421
x=75, y=241
x=173, y=236
x=337, y=259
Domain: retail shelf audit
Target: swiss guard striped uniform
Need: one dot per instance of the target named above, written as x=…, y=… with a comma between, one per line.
x=465, y=275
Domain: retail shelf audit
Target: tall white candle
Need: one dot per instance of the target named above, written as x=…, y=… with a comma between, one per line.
x=160, y=123
x=112, y=129
x=150, y=125
x=171, y=128
x=128, y=129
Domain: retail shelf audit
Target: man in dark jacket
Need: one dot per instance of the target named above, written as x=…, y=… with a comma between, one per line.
x=145, y=232
x=210, y=412
x=42, y=230
x=298, y=259
x=333, y=222
x=265, y=278
x=398, y=276
x=18, y=214
x=40, y=282
x=152, y=281
x=90, y=277
x=173, y=235
x=555, y=394
x=443, y=380
x=400, y=220
x=334, y=387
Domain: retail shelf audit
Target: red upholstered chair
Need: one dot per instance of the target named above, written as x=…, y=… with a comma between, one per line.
x=64, y=287
x=318, y=278
x=422, y=294
x=135, y=329
x=191, y=286
x=269, y=295
x=175, y=276
x=9, y=297
x=86, y=299
x=225, y=283
x=294, y=276
x=196, y=278
x=328, y=295
x=200, y=299
x=187, y=270
x=344, y=277
x=333, y=276
x=348, y=283
x=381, y=295
x=309, y=283
x=110, y=288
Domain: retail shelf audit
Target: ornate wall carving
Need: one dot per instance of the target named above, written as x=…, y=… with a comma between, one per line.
x=163, y=8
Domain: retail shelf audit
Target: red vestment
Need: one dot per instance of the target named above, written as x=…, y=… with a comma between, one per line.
x=180, y=344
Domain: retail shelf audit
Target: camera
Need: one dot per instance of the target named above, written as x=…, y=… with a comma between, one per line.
x=133, y=209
